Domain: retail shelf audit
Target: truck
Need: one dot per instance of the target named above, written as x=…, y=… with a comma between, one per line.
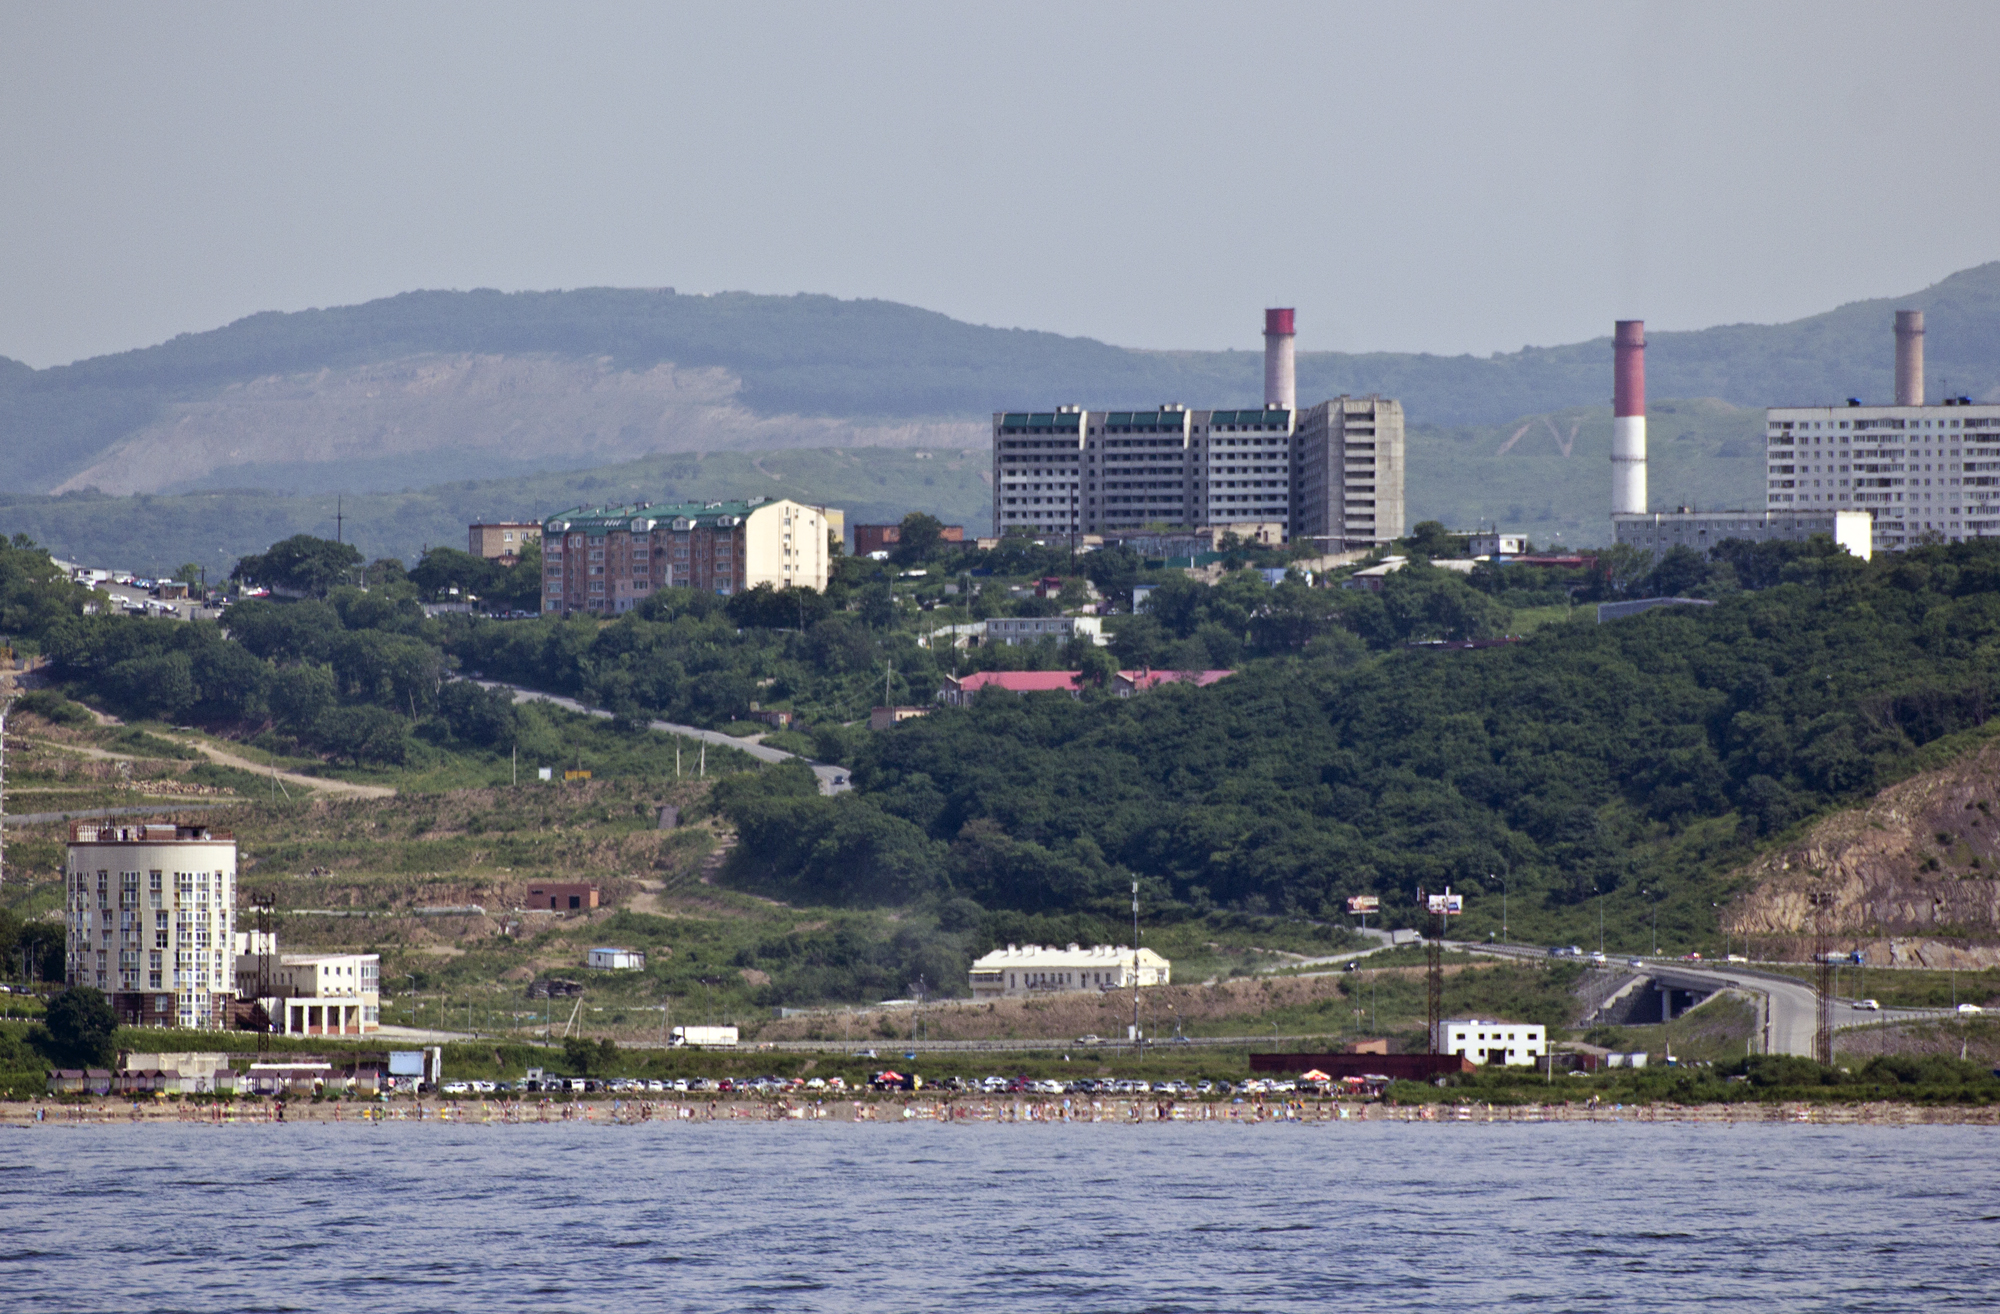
x=702, y=1037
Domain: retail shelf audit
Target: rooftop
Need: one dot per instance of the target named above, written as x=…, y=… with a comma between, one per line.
x=638, y=517
x=1036, y=955
x=145, y=832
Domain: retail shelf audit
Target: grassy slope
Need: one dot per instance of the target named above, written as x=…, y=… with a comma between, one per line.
x=1703, y=452
x=148, y=533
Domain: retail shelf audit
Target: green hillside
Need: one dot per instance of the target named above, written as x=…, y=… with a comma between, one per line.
x=1550, y=481
x=819, y=356
x=151, y=534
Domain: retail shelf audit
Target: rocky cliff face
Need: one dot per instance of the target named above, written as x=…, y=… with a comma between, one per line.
x=513, y=407
x=1914, y=875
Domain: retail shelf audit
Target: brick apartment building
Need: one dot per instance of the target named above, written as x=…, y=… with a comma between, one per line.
x=501, y=540
x=884, y=538
x=607, y=560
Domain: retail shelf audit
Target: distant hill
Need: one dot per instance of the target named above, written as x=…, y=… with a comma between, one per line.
x=424, y=386
x=1546, y=475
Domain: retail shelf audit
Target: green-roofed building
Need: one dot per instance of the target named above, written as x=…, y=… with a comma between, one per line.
x=605, y=560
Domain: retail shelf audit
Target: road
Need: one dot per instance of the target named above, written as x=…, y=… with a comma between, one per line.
x=1792, y=1004
x=832, y=779
x=223, y=757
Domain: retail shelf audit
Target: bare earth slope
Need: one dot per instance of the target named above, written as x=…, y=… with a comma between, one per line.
x=466, y=411
x=1913, y=874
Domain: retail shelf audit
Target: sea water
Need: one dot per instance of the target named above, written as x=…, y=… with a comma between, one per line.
x=937, y=1217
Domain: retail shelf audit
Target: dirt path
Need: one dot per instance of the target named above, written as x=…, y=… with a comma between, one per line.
x=221, y=757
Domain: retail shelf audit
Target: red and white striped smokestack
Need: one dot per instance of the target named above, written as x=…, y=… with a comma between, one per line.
x=1909, y=358
x=1628, y=419
x=1280, y=375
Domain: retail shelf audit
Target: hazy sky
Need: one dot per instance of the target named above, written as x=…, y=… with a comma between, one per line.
x=1448, y=178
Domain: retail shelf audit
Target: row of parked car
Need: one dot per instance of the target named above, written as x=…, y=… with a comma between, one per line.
x=838, y=1085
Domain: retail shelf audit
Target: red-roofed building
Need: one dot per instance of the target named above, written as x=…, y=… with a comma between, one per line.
x=1131, y=682
x=961, y=690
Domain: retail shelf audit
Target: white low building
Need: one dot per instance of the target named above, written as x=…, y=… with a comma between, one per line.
x=617, y=960
x=1511, y=1044
x=1034, y=969
x=311, y=994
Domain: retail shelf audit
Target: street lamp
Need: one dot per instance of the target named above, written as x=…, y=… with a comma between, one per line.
x=411, y=977
x=1653, y=914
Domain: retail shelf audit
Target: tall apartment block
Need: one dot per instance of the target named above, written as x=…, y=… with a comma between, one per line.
x=1333, y=472
x=1920, y=471
x=606, y=560
x=151, y=910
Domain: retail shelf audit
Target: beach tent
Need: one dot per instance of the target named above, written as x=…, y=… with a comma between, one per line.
x=1316, y=1076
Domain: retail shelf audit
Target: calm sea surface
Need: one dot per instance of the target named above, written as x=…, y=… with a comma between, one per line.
x=926, y=1217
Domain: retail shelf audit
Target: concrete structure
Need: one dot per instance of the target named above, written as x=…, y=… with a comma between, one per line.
x=501, y=540
x=1511, y=1044
x=562, y=896
x=1281, y=389
x=1333, y=472
x=616, y=960
x=150, y=911
x=1919, y=472
x=1015, y=630
x=884, y=718
x=1662, y=531
x=606, y=560
x=1035, y=969
x=1628, y=418
x=317, y=994
x=1909, y=358
x=884, y=538
x=1493, y=543
x=1348, y=474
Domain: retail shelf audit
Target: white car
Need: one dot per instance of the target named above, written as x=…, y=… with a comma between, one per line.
x=1970, y=1009
x=1868, y=1005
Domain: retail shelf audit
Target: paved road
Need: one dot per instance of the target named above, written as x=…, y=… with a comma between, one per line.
x=1792, y=1004
x=832, y=779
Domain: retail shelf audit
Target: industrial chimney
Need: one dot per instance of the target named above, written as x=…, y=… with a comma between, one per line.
x=1628, y=419
x=1909, y=358
x=1280, y=377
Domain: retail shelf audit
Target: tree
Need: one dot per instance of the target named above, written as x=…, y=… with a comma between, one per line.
x=300, y=564
x=448, y=573
x=1431, y=539
x=188, y=574
x=76, y=1030
x=917, y=537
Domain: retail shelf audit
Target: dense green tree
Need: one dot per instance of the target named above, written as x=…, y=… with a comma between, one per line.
x=301, y=564
x=76, y=1028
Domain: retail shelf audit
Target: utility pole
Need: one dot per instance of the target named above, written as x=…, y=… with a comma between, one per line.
x=1138, y=1041
x=339, y=519
x=3, y=792
x=1821, y=900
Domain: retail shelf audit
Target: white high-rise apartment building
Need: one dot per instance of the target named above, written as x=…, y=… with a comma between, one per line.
x=1333, y=471
x=1922, y=472
x=152, y=914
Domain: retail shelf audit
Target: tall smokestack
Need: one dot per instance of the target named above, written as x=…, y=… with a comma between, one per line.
x=1909, y=358
x=1628, y=419
x=1280, y=377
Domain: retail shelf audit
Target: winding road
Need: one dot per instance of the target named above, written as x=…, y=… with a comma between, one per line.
x=832, y=779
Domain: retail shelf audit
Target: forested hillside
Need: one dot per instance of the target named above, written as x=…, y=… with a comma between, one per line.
x=746, y=358
x=1637, y=759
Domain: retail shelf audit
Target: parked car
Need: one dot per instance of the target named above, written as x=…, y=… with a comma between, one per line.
x=1692, y=956
x=1597, y=957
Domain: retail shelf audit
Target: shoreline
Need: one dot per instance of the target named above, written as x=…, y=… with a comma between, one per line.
x=1128, y=1113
